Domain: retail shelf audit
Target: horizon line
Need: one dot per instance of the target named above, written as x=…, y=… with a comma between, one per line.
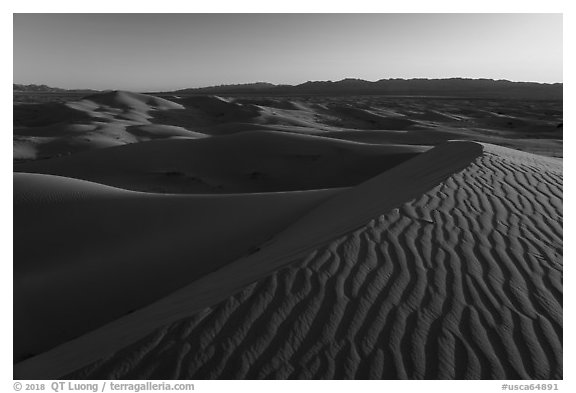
x=297, y=84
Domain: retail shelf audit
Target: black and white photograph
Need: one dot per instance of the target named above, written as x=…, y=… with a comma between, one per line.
x=288, y=196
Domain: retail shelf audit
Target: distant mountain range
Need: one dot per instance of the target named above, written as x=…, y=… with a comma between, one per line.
x=256, y=87
x=452, y=87
x=46, y=89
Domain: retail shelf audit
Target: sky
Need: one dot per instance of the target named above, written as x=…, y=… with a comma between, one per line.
x=145, y=52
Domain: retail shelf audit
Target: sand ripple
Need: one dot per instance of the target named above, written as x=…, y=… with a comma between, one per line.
x=464, y=281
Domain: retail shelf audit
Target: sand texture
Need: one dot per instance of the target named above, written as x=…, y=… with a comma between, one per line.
x=448, y=265
x=306, y=236
x=462, y=282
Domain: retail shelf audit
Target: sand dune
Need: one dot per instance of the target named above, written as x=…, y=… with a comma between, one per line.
x=129, y=101
x=97, y=121
x=86, y=254
x=287, y=237
x=353, y=117
x=245, y=162
x=271, y=103
x=447, y=266
x=386, y=137
x=117, y=118
x=458, y=283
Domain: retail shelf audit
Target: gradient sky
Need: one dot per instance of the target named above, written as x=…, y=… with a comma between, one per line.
x=168, y=51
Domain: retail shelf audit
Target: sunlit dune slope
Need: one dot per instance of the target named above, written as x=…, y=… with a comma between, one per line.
x=463, y=280
x=130, y=102
x=97, y=121
x=339, y=217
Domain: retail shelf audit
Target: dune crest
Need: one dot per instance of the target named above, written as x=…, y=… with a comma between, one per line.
x=132, y=101
x=355, y=206
x=464, y=281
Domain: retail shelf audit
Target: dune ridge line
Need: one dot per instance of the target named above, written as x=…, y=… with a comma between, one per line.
x=462, y=282
x=347, y=211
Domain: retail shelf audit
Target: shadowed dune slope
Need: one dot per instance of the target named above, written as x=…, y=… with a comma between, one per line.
x=461, y=281
x=246, y=162
x=346, y=211
x=86, y=254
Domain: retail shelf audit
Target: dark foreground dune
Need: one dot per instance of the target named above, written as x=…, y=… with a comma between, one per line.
x=448, y=265
x=247, y=162
x=87, y=254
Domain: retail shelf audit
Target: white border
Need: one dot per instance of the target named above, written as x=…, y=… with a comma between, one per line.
x=421, y=6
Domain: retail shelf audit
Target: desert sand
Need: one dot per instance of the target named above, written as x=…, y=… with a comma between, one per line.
x=203, y=237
